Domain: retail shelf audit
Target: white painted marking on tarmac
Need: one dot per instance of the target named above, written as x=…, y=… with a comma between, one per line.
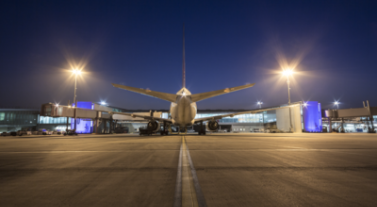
x=178, y=185
x=189, y=198
x=191, y=192
x=199, y=194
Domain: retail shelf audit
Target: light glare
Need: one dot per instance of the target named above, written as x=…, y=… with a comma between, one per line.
x=76, y=71
x=287, y=72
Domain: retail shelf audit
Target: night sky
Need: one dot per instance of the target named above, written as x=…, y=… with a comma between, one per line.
x=331, y=44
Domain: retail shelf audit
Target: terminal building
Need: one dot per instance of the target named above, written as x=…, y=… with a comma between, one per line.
x=97, y=118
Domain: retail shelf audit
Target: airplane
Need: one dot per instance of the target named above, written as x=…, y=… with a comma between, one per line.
x=183, y=106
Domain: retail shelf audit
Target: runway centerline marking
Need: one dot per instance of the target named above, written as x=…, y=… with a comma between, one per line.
x=178, y=186
x=188, y=190
x=191, y=192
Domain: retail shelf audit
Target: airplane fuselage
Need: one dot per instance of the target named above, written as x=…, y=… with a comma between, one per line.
x=183, y=111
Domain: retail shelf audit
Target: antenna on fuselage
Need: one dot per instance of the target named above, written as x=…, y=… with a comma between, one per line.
x=183, y=60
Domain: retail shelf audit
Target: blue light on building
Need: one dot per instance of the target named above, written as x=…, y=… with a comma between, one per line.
x=83, y=126
x=312, y=116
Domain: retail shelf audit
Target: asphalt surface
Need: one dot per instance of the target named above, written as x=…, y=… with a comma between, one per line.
x=231, y=169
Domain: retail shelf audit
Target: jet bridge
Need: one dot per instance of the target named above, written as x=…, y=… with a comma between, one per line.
x=364, y=114
x=92, y=117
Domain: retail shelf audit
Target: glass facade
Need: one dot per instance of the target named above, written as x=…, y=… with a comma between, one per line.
x=243, y=118
x=18, y=117
x=52, y=120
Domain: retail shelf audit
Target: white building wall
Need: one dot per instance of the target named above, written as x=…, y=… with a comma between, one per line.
x=283, y=119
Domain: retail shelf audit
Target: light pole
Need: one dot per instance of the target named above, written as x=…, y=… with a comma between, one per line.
x=260, y=104
x=336, y=103
x=76, y=72
x=288, y=72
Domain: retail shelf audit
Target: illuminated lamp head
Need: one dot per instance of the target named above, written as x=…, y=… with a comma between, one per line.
x=76, y=71
x=287, y=72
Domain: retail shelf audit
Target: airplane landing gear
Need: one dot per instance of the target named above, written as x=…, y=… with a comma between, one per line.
x=202, y=130
x=164, y=132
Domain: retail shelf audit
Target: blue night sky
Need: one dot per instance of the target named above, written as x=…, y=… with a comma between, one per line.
x=331, y=44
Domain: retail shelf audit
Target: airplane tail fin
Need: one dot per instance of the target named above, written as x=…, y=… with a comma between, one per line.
x=201, y=96
x=183, y=60
x=164, y=96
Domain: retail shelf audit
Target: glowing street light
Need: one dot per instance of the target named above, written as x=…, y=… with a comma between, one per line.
x=76, y=71
x=288, y=72
x=260, y=104
x=336, y=103
x=103, y=103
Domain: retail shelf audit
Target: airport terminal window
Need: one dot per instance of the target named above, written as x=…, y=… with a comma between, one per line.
x=243, y=118
x=2, y=116
x=165, y=115
x=51, y=120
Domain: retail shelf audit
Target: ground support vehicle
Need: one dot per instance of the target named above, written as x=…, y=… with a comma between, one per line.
x=21, y=132
x=70, y=132
x=143, y=131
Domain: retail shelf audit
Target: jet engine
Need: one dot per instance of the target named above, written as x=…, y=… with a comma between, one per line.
x=154, y=126
x=212, y=126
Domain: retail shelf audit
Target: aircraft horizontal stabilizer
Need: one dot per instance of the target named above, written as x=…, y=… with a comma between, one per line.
x=201, y=96
x=164, y=96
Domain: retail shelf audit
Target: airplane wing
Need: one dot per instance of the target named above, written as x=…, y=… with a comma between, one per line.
x=201, y=96
x=243, y=112
x=164, y=96
x=144, y=117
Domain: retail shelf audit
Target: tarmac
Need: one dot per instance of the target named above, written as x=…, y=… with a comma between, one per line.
x=224, y=169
